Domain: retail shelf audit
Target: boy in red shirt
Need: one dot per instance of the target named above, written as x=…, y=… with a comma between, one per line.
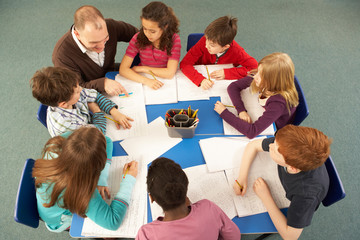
x=218, y=47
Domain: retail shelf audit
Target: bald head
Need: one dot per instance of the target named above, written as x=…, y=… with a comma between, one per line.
x=88, y=15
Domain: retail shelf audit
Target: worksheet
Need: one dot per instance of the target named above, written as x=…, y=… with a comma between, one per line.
x=132, y=106
x=166, y=94
x=249, y=204
x=134, y=217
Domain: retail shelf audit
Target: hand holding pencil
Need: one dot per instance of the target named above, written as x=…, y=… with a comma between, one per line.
x=240, y=186
x=130, y=168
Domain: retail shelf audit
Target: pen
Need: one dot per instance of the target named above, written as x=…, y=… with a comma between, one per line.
x=231, y=106
x=123, y=94
x=241, y=188
x=207, y=70
x=127, y=169
x=152, y=74
x=112, y=119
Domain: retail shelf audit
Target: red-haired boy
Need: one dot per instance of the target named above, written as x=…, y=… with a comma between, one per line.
x=300, y=153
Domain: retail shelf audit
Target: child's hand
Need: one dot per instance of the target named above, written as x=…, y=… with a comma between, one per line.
x=245, y=116
x=133, y=168
x=261, y=189
x=237, y=189
x=206, y=84
x=93, y=107
x=104, y=192
x=219, y=107
x=154, y=84
x=218, y=74
x=122, y=119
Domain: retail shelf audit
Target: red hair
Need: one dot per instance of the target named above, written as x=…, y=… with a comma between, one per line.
x=302, y=147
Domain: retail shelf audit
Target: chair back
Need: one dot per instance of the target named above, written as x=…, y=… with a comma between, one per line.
x=336, y=190
x=302, y=110
x=41, y=114
x=26, y=211
x=193, y=38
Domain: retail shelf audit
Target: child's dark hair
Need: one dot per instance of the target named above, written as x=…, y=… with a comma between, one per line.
x=53, y=85
x=222, y=30
x=167, y=21
x=167, y=183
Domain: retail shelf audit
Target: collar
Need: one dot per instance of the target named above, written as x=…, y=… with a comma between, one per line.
x=82, y=48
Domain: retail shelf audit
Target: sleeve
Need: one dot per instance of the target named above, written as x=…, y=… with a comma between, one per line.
x=111, y=217
x=104, y=103
x=190, y=59
x=246, y=61
x=132, y=50
x=234, y=90
x=301, y=211
x=88, y=95
x=176, y=48
x=99, y=121
x=228, y=229
x=105, y=172
x=273, y=111
x=266, y=142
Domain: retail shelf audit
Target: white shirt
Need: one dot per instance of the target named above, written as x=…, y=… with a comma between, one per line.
x=98, y=58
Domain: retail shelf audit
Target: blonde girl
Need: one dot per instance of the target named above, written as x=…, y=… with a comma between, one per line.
x=274, y=81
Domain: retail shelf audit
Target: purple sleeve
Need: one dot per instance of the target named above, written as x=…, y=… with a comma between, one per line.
x=273, y=111
x=234, y=90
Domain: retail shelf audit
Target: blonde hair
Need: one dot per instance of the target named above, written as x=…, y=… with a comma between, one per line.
x=277, y=76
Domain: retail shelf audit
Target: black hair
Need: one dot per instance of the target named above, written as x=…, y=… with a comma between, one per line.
x=167, y=183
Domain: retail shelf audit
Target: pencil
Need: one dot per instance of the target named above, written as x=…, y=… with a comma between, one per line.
x=241, y=188
x=127, y=169
x=207, y=70
x=152, y=74
x=112, y=119
x=231, y=106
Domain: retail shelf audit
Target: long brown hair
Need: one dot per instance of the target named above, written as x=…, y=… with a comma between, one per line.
x=277, y=76
x=74, y=170
x=167, y=21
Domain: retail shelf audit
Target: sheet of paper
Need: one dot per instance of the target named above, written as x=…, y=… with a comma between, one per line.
x=132, y=106
x=134, y=217
x=188, y=91
x=231, y=151
x=254, y=109
x=262, y=166
x=166, y=94
x=152, y=145
x=211, y=186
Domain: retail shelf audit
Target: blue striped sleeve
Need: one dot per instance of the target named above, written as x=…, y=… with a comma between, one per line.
x=105, y=104
x=99, y=121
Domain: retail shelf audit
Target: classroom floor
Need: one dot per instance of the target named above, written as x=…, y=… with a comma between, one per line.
x=321, y=36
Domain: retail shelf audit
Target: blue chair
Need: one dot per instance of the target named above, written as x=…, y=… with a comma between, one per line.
x=193, y=38
x=302, y=110
x=26, y=211
x=41, y=114
x=336, y=190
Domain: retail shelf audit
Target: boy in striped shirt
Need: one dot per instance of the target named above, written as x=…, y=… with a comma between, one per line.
x=69, y=104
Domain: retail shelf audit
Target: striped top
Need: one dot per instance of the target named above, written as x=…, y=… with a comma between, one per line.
x=153, y=57
x=60, y=120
